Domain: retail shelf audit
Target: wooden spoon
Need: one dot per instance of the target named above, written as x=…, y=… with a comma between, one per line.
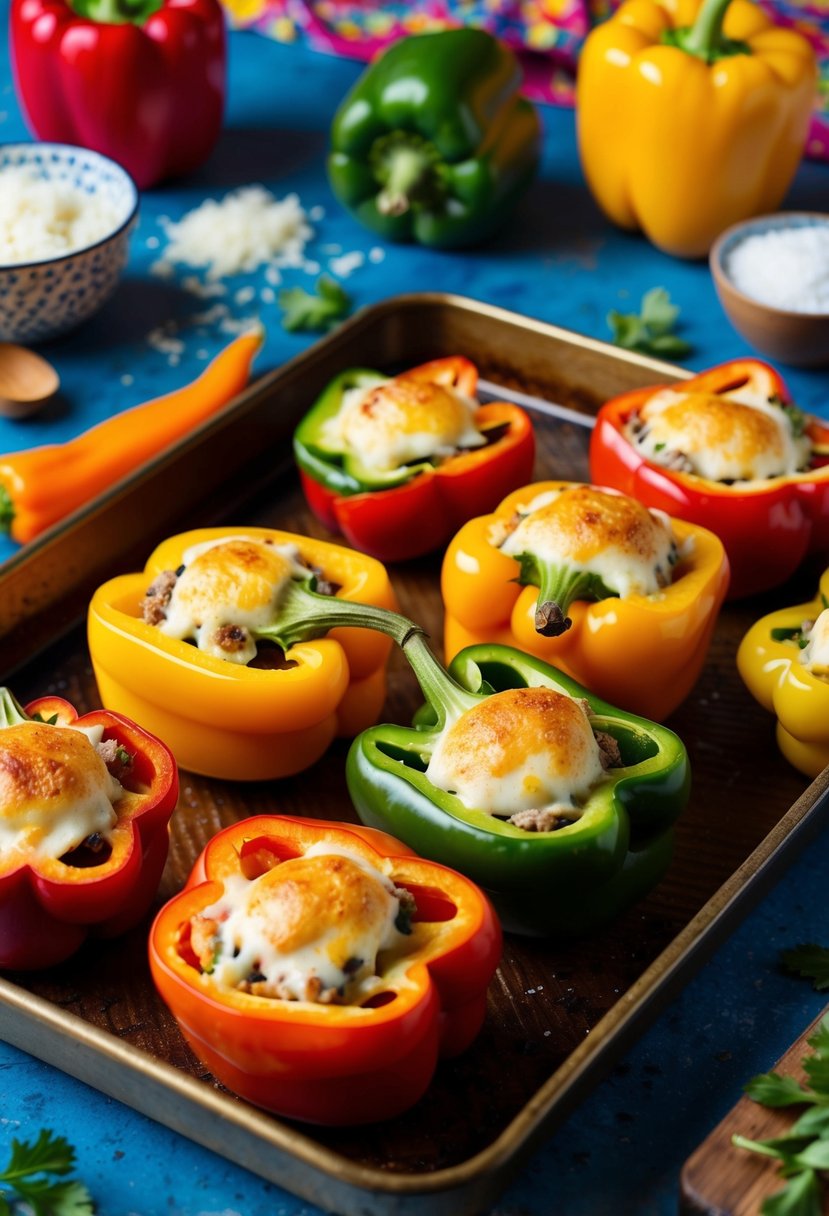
x=27, y=381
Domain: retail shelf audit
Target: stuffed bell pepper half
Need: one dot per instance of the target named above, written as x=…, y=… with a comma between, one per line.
x=85, y=803
x=728, y=450
x=319, y=970
x=621, y=598
x=559, y=805
x=219, y=646
x=784, y=661
x=396, y=464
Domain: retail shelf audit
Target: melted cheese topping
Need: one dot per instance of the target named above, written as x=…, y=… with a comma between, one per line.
x=815, y=654
x=237, y=581
x=738, y=437
x=401, y=421
x=521, y=749
x=321, y=918
x=55, y=789
x=629, y=547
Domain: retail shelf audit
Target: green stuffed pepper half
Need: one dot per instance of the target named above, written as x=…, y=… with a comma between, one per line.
x=434, y=144
x=559, y=805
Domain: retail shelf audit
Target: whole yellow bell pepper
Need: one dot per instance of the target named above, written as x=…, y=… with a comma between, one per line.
x=227, y=719
x=641, y=652
x=692, y=116
x=769, y=660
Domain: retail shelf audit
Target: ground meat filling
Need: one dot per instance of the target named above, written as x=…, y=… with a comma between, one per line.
x=231, y=638
x=115, y=757
x=609, y=753
x=155, y=602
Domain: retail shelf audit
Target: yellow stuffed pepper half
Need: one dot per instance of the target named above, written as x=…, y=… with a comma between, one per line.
x=784, y=661
x=217, y=646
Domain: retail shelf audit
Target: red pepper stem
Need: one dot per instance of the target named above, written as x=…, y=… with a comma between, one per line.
x=303, y=615
x=448, y=698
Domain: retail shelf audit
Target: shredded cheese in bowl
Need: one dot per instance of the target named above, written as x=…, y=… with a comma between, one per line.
x=43, y=218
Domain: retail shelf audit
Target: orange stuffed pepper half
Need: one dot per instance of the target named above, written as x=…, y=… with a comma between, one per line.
x=621, y=598
x=319, y=970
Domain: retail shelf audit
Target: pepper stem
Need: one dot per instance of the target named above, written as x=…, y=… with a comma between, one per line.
x=705, y=38
x=7, y=511
x=405, y=166
x=11, y=711
x=558, y=586
x=448, y=698
x=116, y=12
x=304, y=615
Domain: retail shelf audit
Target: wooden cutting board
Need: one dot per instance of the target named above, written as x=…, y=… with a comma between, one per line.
x=719, y=1179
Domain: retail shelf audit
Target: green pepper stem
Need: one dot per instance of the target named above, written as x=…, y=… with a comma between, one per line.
x=303, y=615
x=11, y=711
x=558, y=586
x=404, y=164
x=448, y=698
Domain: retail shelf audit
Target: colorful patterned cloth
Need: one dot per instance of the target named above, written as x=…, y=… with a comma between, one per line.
x=546, y=33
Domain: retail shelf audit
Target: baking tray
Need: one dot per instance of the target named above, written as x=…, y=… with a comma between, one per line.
x=559, y=1014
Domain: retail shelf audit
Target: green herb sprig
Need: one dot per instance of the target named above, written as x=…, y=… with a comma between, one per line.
x=36, y=1176
x=315, y=312
x=650, y=331
x=803, y=1152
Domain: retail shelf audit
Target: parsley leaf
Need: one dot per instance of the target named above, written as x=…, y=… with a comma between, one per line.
x=804, y=1152
x=809, y=960
x=800, y=1197
x=770, y=1089
x=26, y=1178
x=650, y=332
x=306, y=311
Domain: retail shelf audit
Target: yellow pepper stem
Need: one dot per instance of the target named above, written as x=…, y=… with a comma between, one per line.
x=705, y=37
x=448, y=698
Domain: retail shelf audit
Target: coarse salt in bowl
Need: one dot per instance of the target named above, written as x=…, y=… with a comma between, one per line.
x=65, y=218
x=772, y=277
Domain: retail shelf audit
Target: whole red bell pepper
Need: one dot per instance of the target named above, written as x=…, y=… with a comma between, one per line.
x=330, y=1063
x=767, y=525
x=48, y=906
x=414, y=508
x=141, y=81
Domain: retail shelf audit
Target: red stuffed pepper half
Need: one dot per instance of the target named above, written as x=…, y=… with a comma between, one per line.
x=397, y=464
x=319, y=970
x=729, y=450
x=85, y=804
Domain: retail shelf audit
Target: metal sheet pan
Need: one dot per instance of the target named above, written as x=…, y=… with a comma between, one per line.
x=559, y=1015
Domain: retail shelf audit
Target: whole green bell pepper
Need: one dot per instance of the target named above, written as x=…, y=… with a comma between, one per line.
x=434, y=143
x=559, y=883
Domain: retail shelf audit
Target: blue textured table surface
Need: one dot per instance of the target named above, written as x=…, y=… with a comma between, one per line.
x=621, y=1152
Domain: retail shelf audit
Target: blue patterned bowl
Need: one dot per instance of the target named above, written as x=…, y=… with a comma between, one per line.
x=43, y=298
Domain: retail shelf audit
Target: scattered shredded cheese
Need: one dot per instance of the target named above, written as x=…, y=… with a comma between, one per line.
x=248, y=228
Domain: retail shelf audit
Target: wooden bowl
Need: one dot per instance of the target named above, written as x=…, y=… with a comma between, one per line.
x=798, y=338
